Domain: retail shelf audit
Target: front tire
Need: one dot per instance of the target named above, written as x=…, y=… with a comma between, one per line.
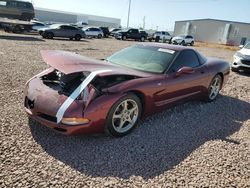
x=50, y=35
x=78, y=37
x=123, y=116
x=192, y=43
x=124, y=37
x=234, y=69
x=99, y=36
x=214, y=88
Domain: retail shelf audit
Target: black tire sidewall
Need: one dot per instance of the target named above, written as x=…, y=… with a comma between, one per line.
x=50, y=35
x=78, y=37
x=109, y=127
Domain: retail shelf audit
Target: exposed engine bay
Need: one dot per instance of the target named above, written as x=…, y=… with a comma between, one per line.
x=67, y=83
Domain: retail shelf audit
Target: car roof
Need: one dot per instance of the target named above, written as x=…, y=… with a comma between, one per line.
x=166, y=46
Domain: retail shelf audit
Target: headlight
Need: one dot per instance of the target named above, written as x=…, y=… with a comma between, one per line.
x=75, y=121
x=239, y=55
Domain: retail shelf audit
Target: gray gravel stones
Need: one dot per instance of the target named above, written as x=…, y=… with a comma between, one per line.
x=192, y=145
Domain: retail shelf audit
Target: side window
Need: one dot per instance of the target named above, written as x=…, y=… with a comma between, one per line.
x=3, y=3
x=38, y=24
x=167, y=33
x=186, y=58
x=12, y=4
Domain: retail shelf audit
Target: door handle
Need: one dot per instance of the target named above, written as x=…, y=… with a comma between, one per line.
x=202, y=72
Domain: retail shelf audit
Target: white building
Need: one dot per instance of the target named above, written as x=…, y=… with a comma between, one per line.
x=215, y=31
x=55, y=16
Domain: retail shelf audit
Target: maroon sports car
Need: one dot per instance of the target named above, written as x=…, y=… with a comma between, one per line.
x=81, y=95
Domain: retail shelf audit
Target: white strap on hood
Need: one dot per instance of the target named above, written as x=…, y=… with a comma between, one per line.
x=76, y=93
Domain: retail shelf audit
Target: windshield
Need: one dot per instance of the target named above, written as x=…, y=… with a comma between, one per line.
x=247, y=46
x=54, y=26
x=149, y=59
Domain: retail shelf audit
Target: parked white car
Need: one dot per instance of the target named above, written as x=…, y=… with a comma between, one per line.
x=161, y=35
x=93, y=32
x=38, y=25
x=242, y=59
x=183, y=40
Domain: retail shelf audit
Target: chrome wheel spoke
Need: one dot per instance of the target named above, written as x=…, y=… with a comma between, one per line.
x=117, y=116
x=214, y=88
x=125, y=116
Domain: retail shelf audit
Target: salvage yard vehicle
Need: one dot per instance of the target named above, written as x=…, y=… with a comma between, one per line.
x=15, y=16
x=16, y=10
x=161, y=35
x=242, y=59
x=63, y=31
x=114, y=31
x=93, y=32
x=105, y=31
x=131, y=34
x=38, y=26
x=79, y=95
x=183, y=40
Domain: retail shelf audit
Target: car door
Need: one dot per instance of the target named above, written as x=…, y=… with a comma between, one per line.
x=179, y=87
x=59, y=32
x=92, y=32
x=133, y=34
x=70, y=31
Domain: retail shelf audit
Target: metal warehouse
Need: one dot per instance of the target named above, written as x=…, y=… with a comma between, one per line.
x=215, y=31
x=55, y=16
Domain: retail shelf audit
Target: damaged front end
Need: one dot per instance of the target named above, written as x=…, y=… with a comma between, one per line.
x=67, y=95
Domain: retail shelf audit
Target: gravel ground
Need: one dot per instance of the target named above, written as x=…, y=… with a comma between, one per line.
x=191, y=145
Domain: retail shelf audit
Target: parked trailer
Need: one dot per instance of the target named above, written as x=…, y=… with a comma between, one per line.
x=15, y=26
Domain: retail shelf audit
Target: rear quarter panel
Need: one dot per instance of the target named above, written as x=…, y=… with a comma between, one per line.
x=217, y=66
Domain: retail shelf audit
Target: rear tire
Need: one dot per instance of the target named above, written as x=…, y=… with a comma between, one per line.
x=78, y=37
x=142, y=39
x=192, y=43
x=99, y=36
x=124, y=116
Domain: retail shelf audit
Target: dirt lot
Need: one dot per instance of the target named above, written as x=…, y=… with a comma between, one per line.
x=195, y=144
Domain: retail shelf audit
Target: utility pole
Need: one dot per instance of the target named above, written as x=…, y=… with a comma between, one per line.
x=128, y=13
x=144, y=22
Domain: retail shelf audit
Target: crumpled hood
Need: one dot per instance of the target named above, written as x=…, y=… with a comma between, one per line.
x=68, y=62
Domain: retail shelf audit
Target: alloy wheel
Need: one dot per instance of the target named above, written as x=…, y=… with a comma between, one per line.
x=215, y=88
x=125, y=116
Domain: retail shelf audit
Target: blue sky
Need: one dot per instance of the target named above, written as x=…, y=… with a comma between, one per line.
x=158, y=13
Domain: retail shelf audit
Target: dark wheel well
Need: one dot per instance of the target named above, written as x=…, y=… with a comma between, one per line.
x=141, y=96
x=222, y=76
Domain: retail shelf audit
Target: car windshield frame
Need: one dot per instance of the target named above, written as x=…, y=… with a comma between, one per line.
x=150, y=59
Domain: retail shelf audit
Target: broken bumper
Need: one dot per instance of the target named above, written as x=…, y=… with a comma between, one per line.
x=61, y=128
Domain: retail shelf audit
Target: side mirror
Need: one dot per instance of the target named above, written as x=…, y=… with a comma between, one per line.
x=241, y=46
x=184, y=70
